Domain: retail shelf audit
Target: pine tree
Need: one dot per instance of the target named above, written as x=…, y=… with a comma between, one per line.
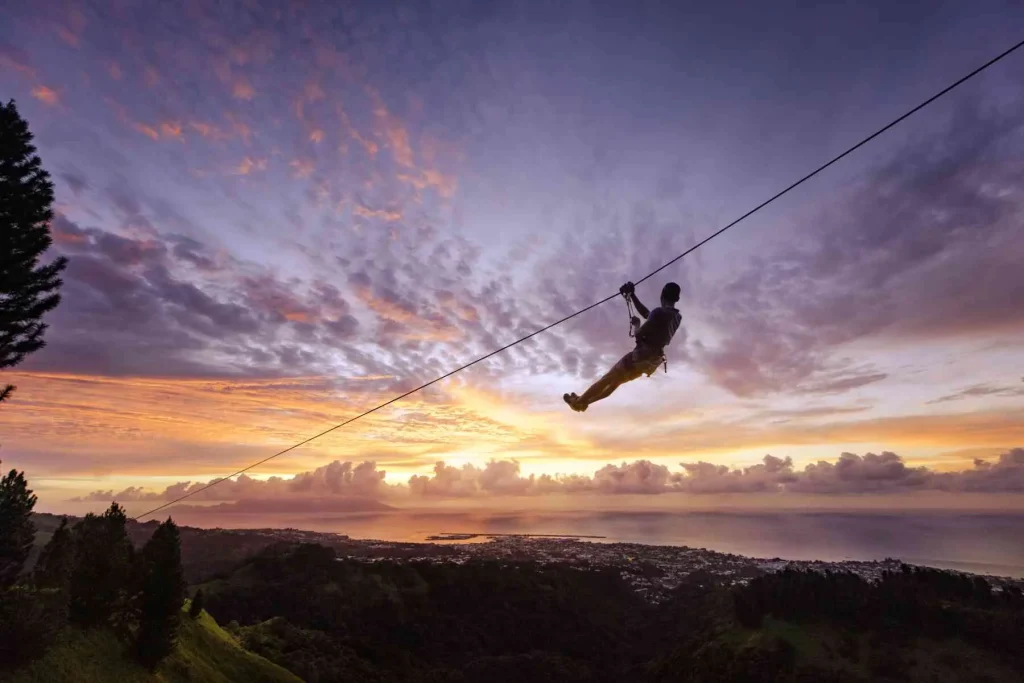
x=53, y=569
x=17, y=532
x=163, y=592
x=196, y=608
x=101, y=573
x=28, y=290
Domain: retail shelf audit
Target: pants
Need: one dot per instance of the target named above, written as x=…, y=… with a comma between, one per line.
x=639, y=361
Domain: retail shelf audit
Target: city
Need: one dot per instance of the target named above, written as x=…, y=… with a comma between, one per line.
x=652, y=570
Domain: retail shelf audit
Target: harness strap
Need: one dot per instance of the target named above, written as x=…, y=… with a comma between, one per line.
x=632, y=314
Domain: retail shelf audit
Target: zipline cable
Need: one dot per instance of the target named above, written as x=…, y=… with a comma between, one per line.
x=696, y=246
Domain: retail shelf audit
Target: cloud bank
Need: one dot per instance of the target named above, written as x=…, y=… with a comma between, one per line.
x=848, y=474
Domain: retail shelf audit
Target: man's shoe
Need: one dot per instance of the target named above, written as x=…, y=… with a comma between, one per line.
x=574, y=402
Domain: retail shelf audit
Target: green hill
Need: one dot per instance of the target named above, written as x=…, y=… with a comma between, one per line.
x=205, y=654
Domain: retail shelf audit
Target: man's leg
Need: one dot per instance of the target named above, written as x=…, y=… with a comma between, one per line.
x=606, y=386
x=599, y=389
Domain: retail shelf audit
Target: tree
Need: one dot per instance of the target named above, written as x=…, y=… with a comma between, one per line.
x=163, y=592
x=53, y=569
x=28, y=290
x=196, y=608
x=101, y=574
x=29, y=623
x=17, y=532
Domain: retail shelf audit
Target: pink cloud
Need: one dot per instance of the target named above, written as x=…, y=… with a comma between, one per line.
x=15, y=59
x=46, y=95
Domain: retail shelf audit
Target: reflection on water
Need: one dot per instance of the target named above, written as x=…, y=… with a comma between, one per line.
x=983, y=543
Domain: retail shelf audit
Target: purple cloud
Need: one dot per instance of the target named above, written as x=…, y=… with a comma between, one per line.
x=927, y=247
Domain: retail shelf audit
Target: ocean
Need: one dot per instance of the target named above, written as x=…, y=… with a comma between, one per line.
x=981, y=542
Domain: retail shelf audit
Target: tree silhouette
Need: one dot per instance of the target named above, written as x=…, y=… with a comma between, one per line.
x=196, y=608
x=29, y=621
x=100, y=582
x=28, y=290
x=163, y=592
x=53, y=569
x=17, y=532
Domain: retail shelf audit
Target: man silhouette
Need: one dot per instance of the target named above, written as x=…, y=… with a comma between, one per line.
x=651, y=340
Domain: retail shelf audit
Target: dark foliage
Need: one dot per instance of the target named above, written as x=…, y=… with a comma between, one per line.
x=53, y=568
x=313, y=656
x=196, y=607
x=397, y=621
x=342, y=620
x=29, y=622
x=909, y=603
x=28, y=290
x=17, y=532
x=163, y=592
x=101, y=586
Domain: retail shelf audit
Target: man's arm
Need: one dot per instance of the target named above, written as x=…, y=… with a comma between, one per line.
x=640, y=308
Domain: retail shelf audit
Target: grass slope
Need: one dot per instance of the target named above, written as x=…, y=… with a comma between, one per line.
x=205, y=654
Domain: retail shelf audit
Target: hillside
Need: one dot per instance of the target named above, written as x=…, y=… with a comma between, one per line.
x=331, y=619
x=205, y=654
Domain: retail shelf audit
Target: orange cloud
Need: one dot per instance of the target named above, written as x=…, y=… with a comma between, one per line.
x=417, y=328
x=207, y=130
x=370, y=146
x=444, y=185
x=316, y=135
x=242, y=90
x=139, y=427
x=396, y=134
x=663, y=433
x=393, y=131
x=45, y=95
x=385, y=214
x=171, y=129
x=461, y=309
x=114, y=69
x=399, y=139
x=248, y=165
x=150, y=77
x=148, y=131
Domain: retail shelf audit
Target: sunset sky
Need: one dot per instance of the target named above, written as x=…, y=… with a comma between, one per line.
x=281, y=214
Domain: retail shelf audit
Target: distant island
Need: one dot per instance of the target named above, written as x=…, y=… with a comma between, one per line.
x=462, y=536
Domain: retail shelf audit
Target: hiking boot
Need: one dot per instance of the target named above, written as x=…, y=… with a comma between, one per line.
x=573, y=401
